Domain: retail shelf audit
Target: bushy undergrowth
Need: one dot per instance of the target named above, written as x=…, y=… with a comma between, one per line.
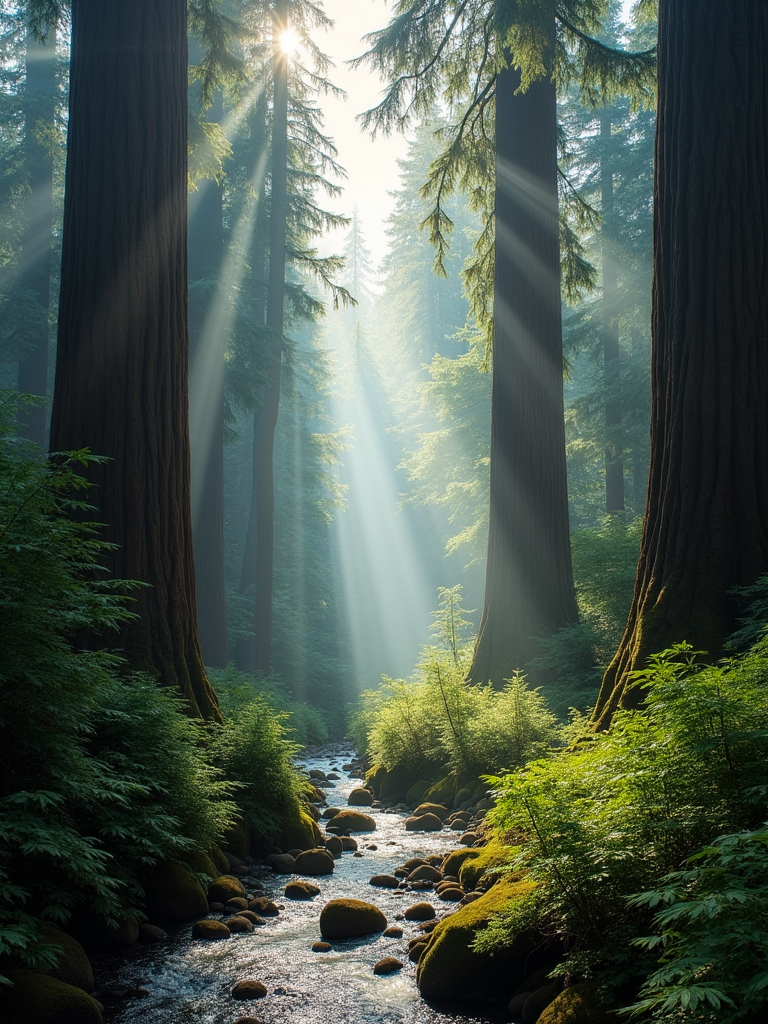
x=620, y=814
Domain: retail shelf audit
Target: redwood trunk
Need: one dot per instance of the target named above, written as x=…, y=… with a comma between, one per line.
x=40, y=108
x=121, y=375
x=529, y=581
x=706, y=518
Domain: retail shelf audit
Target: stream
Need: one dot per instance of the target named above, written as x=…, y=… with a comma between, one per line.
x=188, y=982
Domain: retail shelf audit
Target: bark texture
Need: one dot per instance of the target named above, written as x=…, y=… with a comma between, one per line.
x=122, y=369
x=529, y=581
x=706, y=520
x=35, y=277
x=614, y=465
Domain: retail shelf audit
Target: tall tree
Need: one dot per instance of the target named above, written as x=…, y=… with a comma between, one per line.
x=706, y=520
x=614, y=465
x=122, y=368
x=35, y=277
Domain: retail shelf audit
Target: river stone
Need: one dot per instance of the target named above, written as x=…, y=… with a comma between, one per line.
x=330, y=812
x=250, y=916
x=224, y=888
x=354, y=821
x=360, y=797
x=210, y=929
x=248, y=1020
x=332, y=777
x=423, y=823
x=439, y=810
x=236, y=903
x=468, y=839
x=414, y=862
x=459, y=825
x=452, y=894
x=315, y=773
x=420, y=912
x=301, y=890
x=348, y=919
x=315, y=862
x=424, y=873
x=264, y=907
x=249, y=989
x=35, y=998
x=393, y=932
x=334, y=846
x=388, y=965
x=348, y=844
x=239, y=924
x=384, y=882
x=537, y=1002
x=149, y=933
x=321, y=947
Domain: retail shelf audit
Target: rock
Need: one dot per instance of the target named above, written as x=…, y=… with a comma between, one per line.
x=516, y=1004
x=238, y=923
x=330, y=812
x=315, y=773
x=282, y=864
x=468, y=839
x=236, y=903
x=249, y=989
x=96, y=935
x=354, y=821
x=416, y=793
x=254, y=918
x=73, y=966
x=300, y=831
x=537, y=1002
x=334, y=846
x=453, y=862
x=450, y=967
x=264, y=907
x=237, y=842
x=357, y=854
x=439, y=810
x=420, y=912
x=451, y=894
x=423, y=823
x=333, y=777
x=384, y=882
x=395, y=784
x=149, y=933
x=172, y=894
x=393, y=932
x=321, y=947
x=360, y=797
x=35, y=998
x=301, y=891
x=348, y=844
x=219, y=861
x=388, y=965
x=215, y=908
x=314, y=862
x=577, y=1005
x=347, y=919
x=248, y=1020
x=482, y=859
x=459, y=825
x=442, y=792
x=414, y=862
x=462, y=797
x=224, y=888
x=210, y=929
x=424, y=873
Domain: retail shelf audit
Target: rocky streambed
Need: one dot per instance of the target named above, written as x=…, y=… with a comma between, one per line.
x=285, y=965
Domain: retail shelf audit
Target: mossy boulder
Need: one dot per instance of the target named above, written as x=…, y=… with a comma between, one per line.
x=473, y=868
x=419, y=912
x=374, y=778
x=439, y=810
x=237, y=840
x=249, y=989
x=395, y=784
x=34, y=998
x=300, y=832
x=579, y=1004
x=172, y=894
x=388, y=965
x=441, y=792
x=219, y=861
x=334, y=846
x=416, y=793
x=210, y=930
x=354, y=821
x=314, y=862
x=239, y=924
x=225, y=888
x=202, y=864
x=449, y=967
x=73, y=966
x=537, y=1001
x=360, y=797
x=349, y=919
x=301, y=890
x=423, y=823
x=453, y=862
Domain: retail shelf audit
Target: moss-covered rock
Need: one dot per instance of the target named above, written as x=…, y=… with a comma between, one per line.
x=423, y=823
x=237, y=840
x=449, y=967
x=238, y=923
x=354, y=821
x=374, y=778
x=348, y=919
x=34, y=998
x=210, y=930
x=249, y=989
x=388, y=965
x=219, y=860
x=314, y=862
x=442, y=792
x=73, y=966
x=301, y=891
x=225, y=888
x=537, y=1001
x=201, y=864
x=579, y=1004
x=487, y=857
x=360, y=797
x=334, y=846
x=172, y=894
x=395, y=784
x=456, y=858
x=419, y=912
x=439, y=810
x=300, y=832
x=416, y=793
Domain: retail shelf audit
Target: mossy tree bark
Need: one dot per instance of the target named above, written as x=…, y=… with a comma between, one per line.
x=529, y=580
x=706, y=519
x=122, y=369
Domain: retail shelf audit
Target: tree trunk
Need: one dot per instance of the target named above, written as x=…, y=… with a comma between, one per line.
x=614, y=465
x=121, y=375
x=206, y=324
x=529, y=580
x=706, y=519
x=35, y=277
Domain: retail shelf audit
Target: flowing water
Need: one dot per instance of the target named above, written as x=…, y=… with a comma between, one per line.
x=189, y=982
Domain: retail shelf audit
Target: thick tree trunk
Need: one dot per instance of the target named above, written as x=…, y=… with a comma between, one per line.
x=121, y=375
x=614, y=465
x=35, y=277
x=706, y=518
x=206, y=324
x=529, y=581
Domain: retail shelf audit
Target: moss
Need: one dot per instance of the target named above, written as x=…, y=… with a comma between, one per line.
x=442, y=792
x=577, y=1005
x=491, y=856
x=355, y=821
x=38, y=999
x=299, y=832
x=219, y=860
x=172, y=894
x=456, y=858
x=449, y=967
x=347, y=919
x=375, y=777
x=73, y=967
x=416, y=793
x=202, y=864
x=224, y=888
x=237, y=841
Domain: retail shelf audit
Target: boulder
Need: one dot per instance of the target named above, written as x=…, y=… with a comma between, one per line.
x=395, y=784
x=264, y=907
x=330, y=812
x=301, y=891
x=416, y=793
x=348, y=844
x=537, y=1002
x=388, y=965
x=282, y=864
x=202, y=864
x=393, y=932
x=249, y=989
x=224, y=888
x=423, y=823
x=354, y=821
x=463, y=796
x=219, y=861
x=235, y=904
x=414, y=862
x=442, y=792
x=210, y=929
x=150, y=933
x=451, y=894
x=439, y=810
x=385, y=882
x=300, y=831
x=238, y=923
x=468, y=838
x=73, y=966
x=420, y=912
x=493, y=855
x=237, y=840
x=334, y=846
x=314, y=862
x=450, y=967
x=416, y=950
x=360, y=797
x=252, y=916
x=424, y=873
x=579, y=1004
x=34, y=998
x=348, y=919
x=453, y=862
x=374, y=779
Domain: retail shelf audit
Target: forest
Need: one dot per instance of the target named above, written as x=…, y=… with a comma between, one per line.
x=383, y=547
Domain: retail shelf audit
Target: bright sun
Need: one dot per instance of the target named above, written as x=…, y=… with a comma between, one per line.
x=289, y=41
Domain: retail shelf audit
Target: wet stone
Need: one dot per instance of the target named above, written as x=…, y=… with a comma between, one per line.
x=249, y=989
